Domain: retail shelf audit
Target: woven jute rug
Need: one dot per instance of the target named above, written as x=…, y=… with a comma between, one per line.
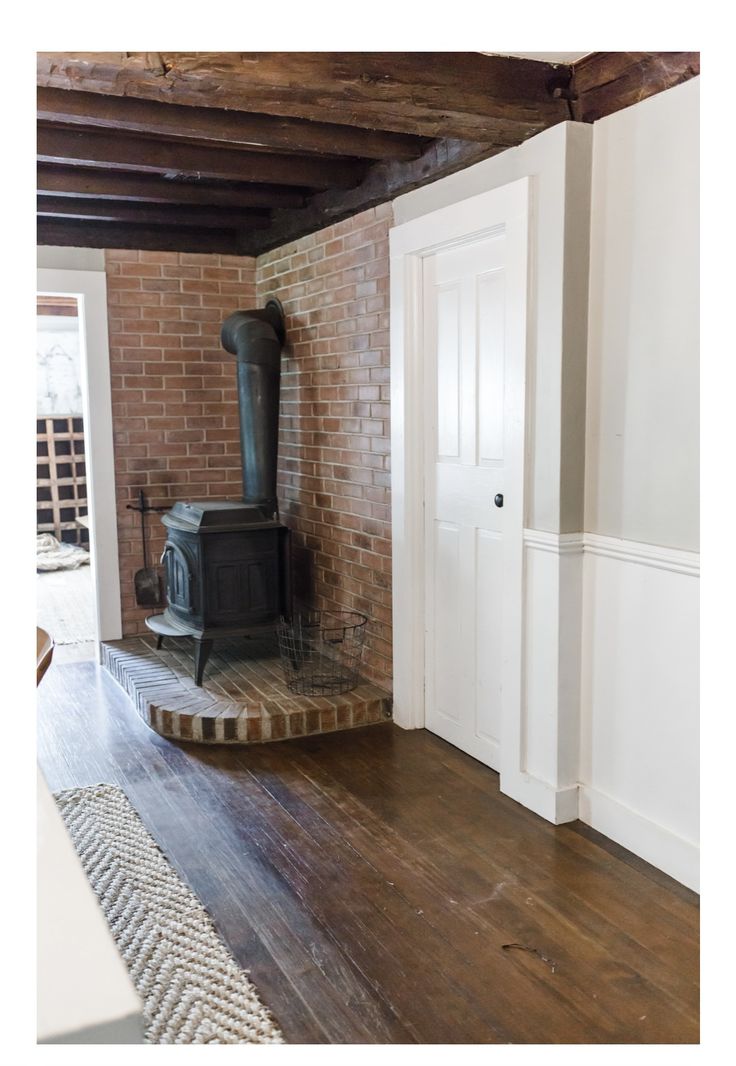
x=193, y=990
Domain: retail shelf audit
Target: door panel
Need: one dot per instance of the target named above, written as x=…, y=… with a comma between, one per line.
x=489, y=302
x=465, y=348
x=448, y=371
x=489, y=637
x=447, y=643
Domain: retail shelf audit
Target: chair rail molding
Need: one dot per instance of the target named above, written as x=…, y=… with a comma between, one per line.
x=632, y=551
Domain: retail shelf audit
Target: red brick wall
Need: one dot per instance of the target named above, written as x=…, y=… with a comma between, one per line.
x=175, y=413
x=334, y=478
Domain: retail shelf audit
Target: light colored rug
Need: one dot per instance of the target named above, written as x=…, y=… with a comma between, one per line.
x=51, y=554
x=193, y=990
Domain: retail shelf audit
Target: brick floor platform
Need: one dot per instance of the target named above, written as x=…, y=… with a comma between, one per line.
x=243, y=698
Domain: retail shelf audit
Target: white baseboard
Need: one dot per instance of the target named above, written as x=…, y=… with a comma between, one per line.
x=556, y=805
x=662, y=848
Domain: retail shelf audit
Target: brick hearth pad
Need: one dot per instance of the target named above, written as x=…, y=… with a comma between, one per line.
x=243, y=698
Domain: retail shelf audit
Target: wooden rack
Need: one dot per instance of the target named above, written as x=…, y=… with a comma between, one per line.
x=61, y=481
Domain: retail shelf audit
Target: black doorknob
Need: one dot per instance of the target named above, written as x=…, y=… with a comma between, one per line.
x=498, y=499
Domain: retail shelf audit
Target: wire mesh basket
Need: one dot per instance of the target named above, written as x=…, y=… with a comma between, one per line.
x=321, y=650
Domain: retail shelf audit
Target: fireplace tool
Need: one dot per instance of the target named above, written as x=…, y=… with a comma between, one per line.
x=147, y=581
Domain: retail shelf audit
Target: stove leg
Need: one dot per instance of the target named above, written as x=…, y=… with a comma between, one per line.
x=202, y=649
x=159, y=641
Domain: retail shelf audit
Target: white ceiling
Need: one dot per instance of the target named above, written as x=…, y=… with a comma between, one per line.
x=546, y=57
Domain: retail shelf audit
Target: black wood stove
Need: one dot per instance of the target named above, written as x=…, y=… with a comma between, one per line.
x=226, y=564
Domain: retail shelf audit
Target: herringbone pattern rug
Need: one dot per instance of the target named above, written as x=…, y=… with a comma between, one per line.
x=193, y=990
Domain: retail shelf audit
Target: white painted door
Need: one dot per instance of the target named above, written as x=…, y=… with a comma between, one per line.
x=473, y=342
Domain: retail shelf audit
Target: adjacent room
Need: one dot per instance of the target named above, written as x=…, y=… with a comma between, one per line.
x=367, y=600
x=65, y=597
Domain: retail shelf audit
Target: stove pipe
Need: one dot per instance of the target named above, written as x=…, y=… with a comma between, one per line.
x=256, y=338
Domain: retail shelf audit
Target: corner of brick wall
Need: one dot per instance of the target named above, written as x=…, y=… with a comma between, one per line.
x=175, y=412
x=334, y=447
x=174, y=401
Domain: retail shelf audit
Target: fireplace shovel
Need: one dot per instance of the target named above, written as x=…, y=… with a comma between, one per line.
x=147, y=580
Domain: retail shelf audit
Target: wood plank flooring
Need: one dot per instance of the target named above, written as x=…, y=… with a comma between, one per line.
x=381, y=890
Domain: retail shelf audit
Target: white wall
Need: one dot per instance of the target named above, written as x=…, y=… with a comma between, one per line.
x=558, y=162
x=51, y=257
x=639, y=736
x=639, y=708
x=610, y=672
x=642, y=421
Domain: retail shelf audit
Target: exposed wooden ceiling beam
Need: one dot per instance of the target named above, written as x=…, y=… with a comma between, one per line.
x=463, y=95
x=655, y=72
x=83, y=234
x=494, y=101
x=234, y=128
x=157, y=214
x=383, y=182
x=148, y=155
x=606, y=82
x=150, y=188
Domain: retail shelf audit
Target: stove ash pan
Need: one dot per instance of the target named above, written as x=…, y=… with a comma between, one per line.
x=226, y=567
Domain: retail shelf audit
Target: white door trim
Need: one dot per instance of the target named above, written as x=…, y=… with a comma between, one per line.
x=456, y=224
x=90, y=288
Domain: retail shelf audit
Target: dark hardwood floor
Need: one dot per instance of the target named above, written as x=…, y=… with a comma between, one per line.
x=380, y=889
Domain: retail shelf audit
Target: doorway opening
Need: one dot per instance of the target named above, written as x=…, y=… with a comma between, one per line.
x=459, y=291
x=65, y=593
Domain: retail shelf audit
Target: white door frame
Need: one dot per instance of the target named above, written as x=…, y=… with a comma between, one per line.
x=90, y=288
x=458, y=223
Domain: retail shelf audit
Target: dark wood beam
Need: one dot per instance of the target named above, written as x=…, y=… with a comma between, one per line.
x=150, y=188
x=605, y=82
x=211, y=124
x=78, y=234
x=383, y=182
x=156, y=214
x=148, y=155
x=497, y=103
x=464, y=95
